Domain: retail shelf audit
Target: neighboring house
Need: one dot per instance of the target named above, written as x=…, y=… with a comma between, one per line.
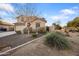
x=52, y=28
x=33, y=21
x=4, y=26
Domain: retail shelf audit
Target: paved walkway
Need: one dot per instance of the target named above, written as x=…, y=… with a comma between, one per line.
x=3, y=34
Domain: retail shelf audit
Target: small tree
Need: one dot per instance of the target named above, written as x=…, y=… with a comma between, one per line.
x=57, y=26
x=74, y=23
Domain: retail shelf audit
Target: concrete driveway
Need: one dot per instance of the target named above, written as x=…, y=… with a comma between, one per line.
x=3, y=34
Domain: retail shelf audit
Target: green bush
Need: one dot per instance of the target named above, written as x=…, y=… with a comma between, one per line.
x=34, y=35
x=18, y=32
x=60, y=33
x=57, y=40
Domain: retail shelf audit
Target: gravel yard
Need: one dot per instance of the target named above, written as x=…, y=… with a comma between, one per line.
x=37, y=48
x=15, y=39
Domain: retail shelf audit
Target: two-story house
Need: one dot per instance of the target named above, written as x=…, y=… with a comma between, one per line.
x=33, y=21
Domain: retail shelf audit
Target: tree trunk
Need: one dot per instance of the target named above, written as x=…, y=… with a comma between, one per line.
x=28, y=31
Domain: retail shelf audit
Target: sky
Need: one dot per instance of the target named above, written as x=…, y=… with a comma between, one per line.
x=53, y=12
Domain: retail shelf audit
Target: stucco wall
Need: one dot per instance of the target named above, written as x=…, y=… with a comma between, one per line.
x=51, y=28
x=19, y=19
x=33, y=24
x=42, y=24
x=19, y=27
x=7, y=27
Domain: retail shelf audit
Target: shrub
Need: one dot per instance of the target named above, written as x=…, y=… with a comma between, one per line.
x=18, y=32
x=34, y=35
x=26, y=30
x=57, y=40
x=60, y=33
x=42, y=30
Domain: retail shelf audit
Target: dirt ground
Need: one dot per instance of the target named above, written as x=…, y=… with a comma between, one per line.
x=38, y=48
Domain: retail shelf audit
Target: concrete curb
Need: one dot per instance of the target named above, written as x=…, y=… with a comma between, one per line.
x=10, y=50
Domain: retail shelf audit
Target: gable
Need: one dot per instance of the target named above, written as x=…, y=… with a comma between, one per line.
x=25, y=19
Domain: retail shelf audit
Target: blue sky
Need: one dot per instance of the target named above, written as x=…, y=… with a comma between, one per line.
x=52, y=12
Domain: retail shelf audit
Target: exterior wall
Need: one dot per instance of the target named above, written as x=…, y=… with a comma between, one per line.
x=19, y=19
x=26, y=24
x=33, y=24
x=19, y=27
x=42, y=24
x=51, y=28
x=8, y=28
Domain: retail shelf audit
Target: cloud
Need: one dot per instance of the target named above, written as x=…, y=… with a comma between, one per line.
x=5, y=17
x=9, y=20
x=2, y=13
x=68, y=11
x=7, y=10
x=58, y=17
x=65, y=13
x=75, y=7
x=6, y=7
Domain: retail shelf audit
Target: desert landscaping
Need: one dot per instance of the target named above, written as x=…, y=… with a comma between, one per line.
x=31, y=33
x=38, y=48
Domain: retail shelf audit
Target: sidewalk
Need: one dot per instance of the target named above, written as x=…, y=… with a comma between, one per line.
x=3, y=34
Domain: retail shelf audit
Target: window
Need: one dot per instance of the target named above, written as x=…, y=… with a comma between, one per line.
x=37, y=25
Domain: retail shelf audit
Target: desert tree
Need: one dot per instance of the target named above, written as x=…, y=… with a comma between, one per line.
x=57, y=25
x=74, y=23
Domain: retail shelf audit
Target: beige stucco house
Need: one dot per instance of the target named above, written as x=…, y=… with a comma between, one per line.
x=5, y=26
x=32, y=21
